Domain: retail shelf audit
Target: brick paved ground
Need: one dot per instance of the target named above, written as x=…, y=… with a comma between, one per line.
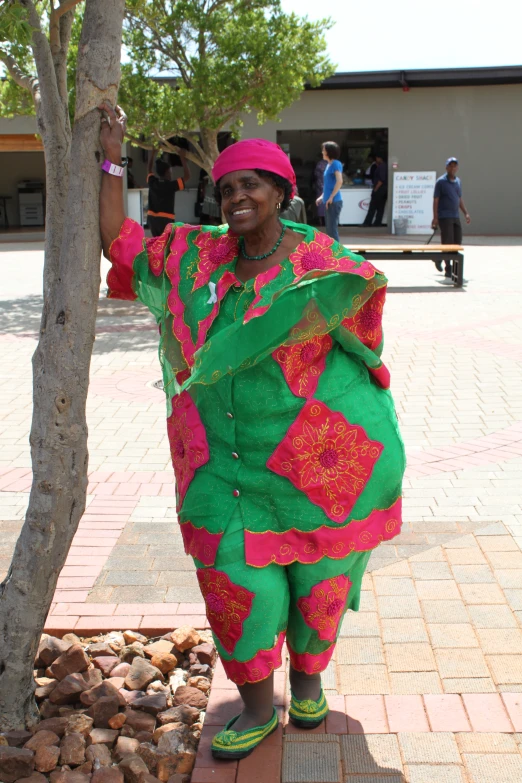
x=427, y=681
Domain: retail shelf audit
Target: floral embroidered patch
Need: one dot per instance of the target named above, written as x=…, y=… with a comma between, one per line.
x=228, y=605
x=323, y=608
x=303, y=363
x=366, y=324
x=317, y=254
x=188, y=442
x=327, y=458
x=156, y=250
x=215, y=249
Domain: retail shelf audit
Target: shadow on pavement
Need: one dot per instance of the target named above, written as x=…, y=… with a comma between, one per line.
x=120, y=326
x=360, y=755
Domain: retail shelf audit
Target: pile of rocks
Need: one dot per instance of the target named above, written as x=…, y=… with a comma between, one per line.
x=120, y=708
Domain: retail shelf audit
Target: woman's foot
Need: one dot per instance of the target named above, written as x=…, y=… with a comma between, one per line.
x=252, y=719
x=235, y=743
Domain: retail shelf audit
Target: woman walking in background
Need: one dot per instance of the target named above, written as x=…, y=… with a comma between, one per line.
x=282, y=430
x=331, y=196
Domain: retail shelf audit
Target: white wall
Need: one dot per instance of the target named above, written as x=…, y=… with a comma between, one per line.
x=482, y=126
x=18, y=125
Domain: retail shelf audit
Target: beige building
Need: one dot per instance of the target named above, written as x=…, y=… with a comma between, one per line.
x=417, y=118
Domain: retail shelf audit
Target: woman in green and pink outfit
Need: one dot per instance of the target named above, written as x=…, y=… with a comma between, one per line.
x=284, y=438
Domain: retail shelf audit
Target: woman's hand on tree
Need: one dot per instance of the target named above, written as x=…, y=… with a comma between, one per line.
x=113, y=128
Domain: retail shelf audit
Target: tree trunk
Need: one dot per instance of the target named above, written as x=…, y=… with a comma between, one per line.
x=60, y=368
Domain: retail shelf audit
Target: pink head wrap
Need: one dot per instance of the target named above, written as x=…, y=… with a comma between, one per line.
x=254, y=154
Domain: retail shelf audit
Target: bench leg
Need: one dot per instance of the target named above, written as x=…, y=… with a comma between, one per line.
x=458, y=271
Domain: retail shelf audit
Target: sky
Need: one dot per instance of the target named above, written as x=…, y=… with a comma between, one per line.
x=381, y=35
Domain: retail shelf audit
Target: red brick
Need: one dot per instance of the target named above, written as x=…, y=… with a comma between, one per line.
x=119, y=505
x=168, y=490
x=291, y=729
x=78, y=549
x=12, y=475
x=486, y=712
x=56, y=626
x=105, y=489
x=161, y=477
x=204, y=759
x=195, y=621
x=22, y=485
x=142, y=476
x=72, y=596
x=263, y=765
x=86, y=560
x=75, y=582
x=366, y=715
x=513, y=704
x=216, y=775
x=446, y=712
x=157, y=624
x=94, y=625
x=150, y=609
x=80, y=571
x=194, y=608
x=94, y=610
x=120, y=475
x=336, y=722
x=406, y=713
x=222, y=706
x=99, y=475
x=126, y=489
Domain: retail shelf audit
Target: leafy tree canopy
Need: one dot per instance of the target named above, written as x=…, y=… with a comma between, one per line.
x=220, y=59
x=194, y=66
x=17, y=56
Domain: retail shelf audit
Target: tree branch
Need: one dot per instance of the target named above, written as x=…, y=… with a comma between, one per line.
x=22, y=79
x=54, y=22
x=166, y=146
x=47, y=98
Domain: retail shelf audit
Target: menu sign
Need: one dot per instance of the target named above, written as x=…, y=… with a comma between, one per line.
x=413, y=200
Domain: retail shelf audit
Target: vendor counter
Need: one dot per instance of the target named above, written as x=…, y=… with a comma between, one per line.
x=356, y=200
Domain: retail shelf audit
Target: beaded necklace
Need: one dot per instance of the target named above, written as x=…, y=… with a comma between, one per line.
x=265, y=255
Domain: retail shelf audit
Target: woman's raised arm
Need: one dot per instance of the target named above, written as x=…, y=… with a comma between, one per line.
x=112, y=212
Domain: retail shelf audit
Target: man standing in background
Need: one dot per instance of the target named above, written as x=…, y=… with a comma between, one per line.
x=447, y=200
x=162, y=192
x=379, y=193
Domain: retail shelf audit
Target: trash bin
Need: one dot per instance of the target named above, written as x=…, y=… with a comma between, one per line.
x=401, y=226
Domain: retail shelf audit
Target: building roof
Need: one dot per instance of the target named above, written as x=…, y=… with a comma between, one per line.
x=433, y=77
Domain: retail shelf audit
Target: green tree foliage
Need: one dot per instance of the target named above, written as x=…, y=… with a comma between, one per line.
x=15, y=40
x=15, y=48
x=220, y=59
x=194, y=66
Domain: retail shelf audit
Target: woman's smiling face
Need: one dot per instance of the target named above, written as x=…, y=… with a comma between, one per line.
x=248, y=201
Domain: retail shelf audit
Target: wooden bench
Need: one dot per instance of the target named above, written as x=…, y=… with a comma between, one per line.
x=414, y=253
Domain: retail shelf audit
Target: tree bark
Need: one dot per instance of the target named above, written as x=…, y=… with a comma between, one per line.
x=62, y=359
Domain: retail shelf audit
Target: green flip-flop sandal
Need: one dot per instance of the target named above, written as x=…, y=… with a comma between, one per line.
x=230, y=744
x=308, y=714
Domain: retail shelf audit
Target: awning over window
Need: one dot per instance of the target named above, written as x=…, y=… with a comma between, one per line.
x=20, y=142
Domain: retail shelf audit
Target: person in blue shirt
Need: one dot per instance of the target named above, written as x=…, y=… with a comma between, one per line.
x=447, y=200
x=333, y=180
